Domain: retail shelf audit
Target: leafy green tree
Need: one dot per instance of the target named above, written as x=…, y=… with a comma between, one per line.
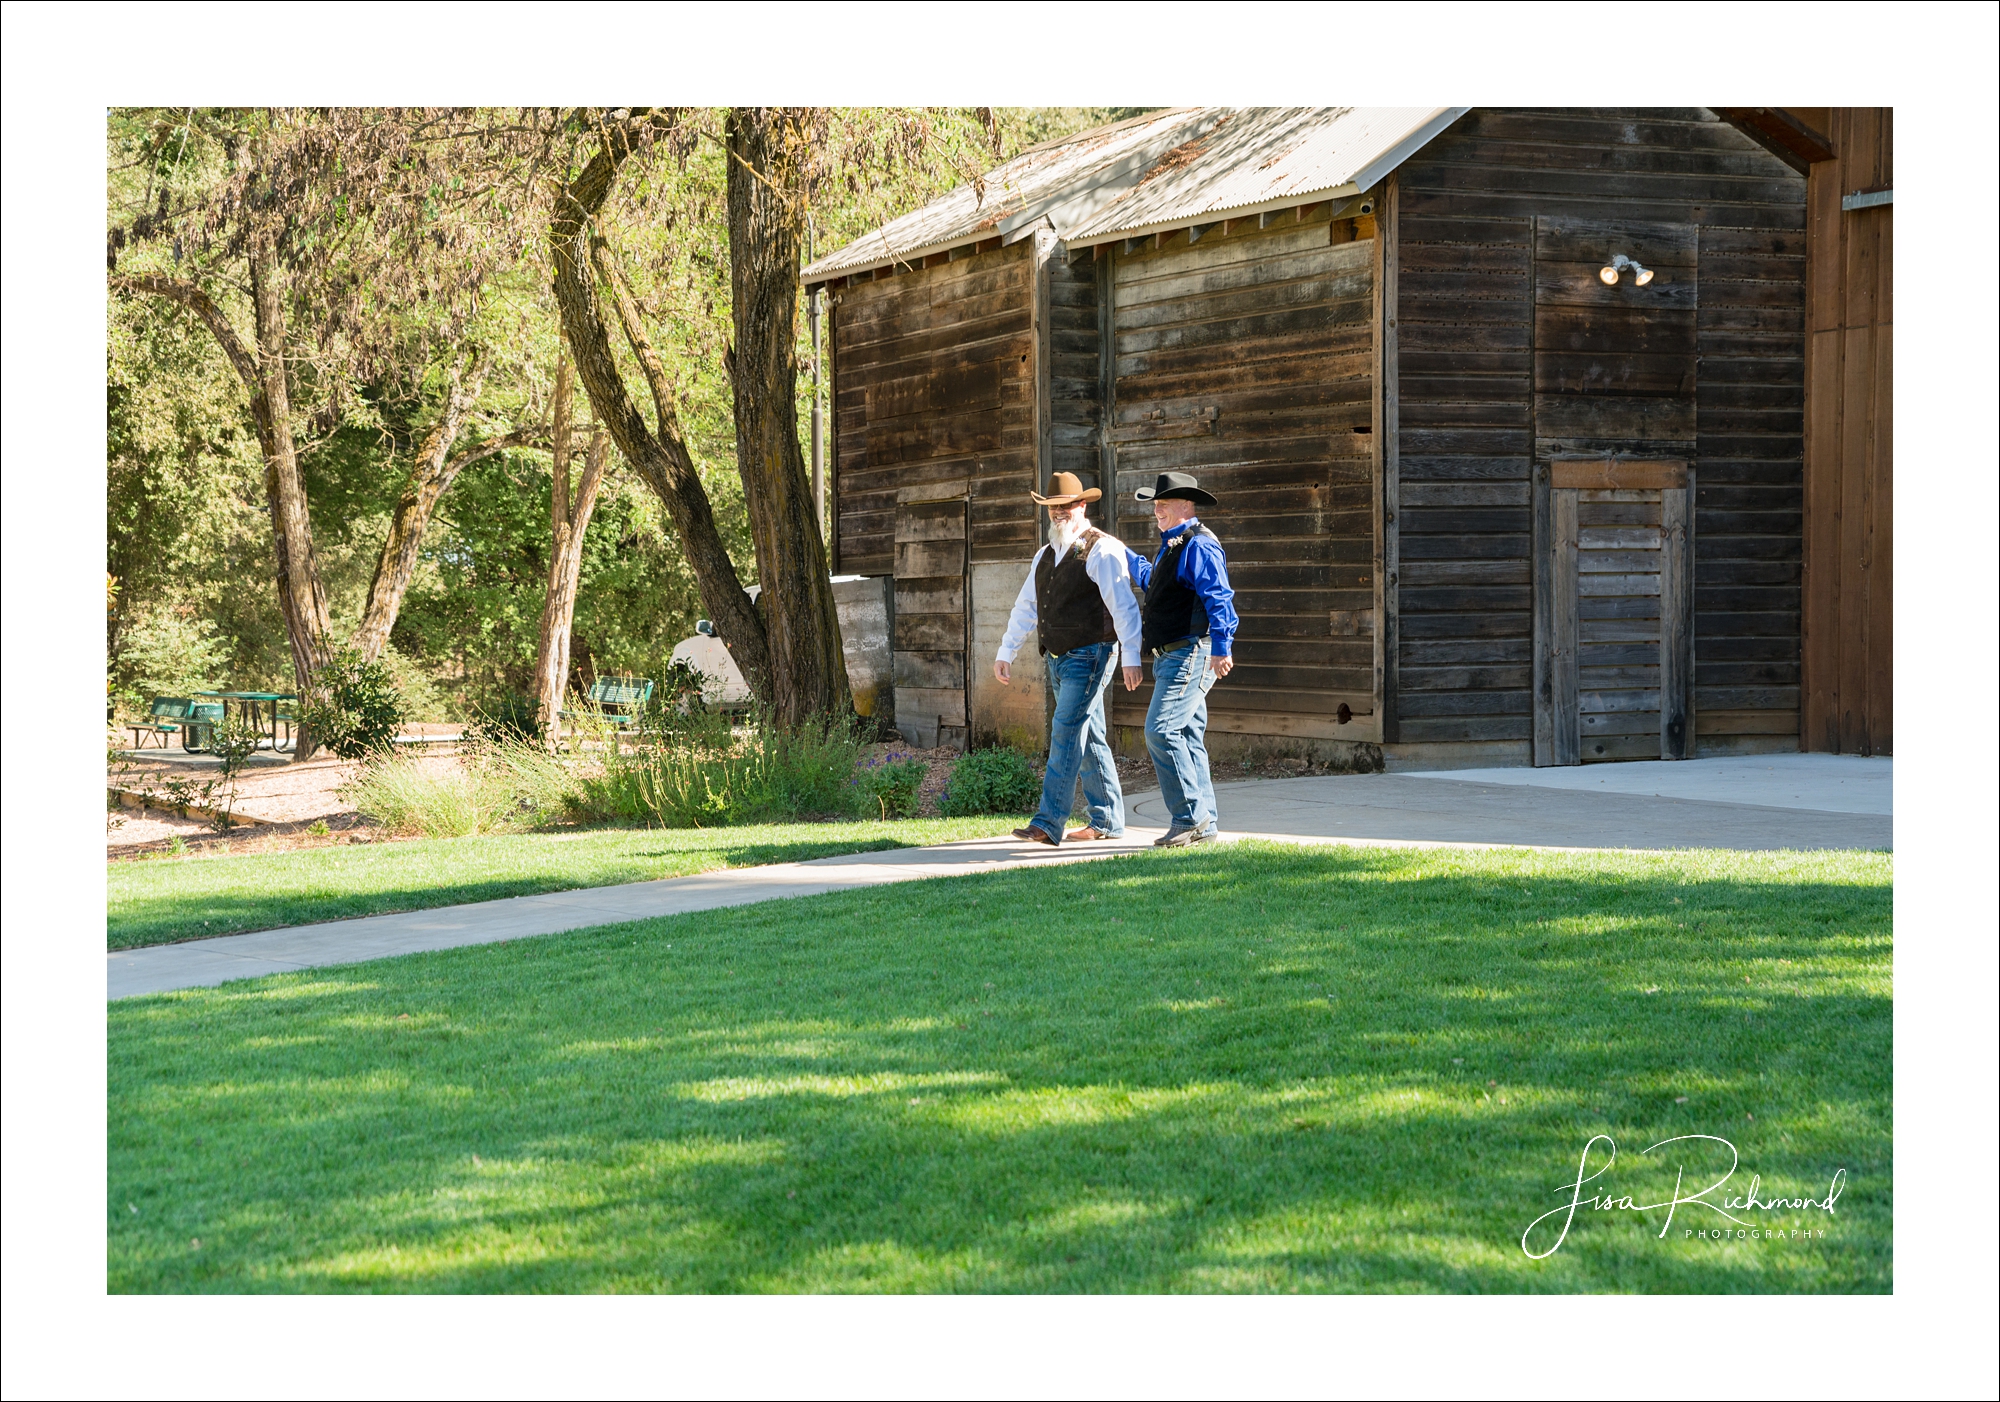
x=375, y=230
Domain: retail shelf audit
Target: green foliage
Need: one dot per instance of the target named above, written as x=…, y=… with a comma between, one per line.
x=355, y=709
x=506, y=786
x=891, y=784
x=189, y=535
x=473, y=613
x=998, y=780
x=170, y=652
x=233, y=742
x=707, y=775
x=513, y=718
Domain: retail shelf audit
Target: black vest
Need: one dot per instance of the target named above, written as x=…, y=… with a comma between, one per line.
x=1172, y=610
x=1069, y=610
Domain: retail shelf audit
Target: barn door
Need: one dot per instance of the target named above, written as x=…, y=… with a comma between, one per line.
x=1614, y=610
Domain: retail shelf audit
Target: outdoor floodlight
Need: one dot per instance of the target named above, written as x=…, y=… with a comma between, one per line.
x=1608, y=274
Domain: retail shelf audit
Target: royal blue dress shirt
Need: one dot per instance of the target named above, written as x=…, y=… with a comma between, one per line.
x=1202, y=569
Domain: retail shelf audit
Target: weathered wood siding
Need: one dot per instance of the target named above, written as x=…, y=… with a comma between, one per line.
x=1246, y=358
x=1491, y=375
x=1848, y=702
x=939, y=428
x=934, y=383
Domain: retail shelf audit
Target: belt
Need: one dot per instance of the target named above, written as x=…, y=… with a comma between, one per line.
x=1173, y=647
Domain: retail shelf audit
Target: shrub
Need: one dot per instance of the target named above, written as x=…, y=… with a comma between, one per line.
x=991, y=781
x=514, y=720
x=889, y=785
x=232, y=742
x=168, y=652
x=354, y=708
x=493, y=788
x=806, y=772
x=408, y=793
x=707, y=775
x=540, y=788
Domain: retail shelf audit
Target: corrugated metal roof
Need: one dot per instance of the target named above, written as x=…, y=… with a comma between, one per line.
x=1018, y=193
x=1261, y=157
x=1161, y=171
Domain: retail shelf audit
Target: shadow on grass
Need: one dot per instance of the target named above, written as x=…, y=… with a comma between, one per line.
x=304, y=888
x=1246, y=1070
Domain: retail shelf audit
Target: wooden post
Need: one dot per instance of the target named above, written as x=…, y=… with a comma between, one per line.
x=832, y=497
x=1107, y=392
x=1564, y=682
x=1542, y=577
x=1388, y=462
x=1045, y=246
x=818, y=422
x=1677, y=740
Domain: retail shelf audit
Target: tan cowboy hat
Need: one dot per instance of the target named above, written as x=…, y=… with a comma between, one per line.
x=1065, y=489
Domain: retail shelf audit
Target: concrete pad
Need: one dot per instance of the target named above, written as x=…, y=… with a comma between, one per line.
x=1452, y=809
x=205, y=963
x=1823, y=783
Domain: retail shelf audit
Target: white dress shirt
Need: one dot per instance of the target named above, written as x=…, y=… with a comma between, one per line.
x=1108, y=571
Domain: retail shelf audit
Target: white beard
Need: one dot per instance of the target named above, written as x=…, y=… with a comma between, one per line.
x=1064, y=534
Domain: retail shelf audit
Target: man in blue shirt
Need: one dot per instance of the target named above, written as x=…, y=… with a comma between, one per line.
x=1188, y=625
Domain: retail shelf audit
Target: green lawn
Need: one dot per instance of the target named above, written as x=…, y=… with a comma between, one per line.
x=161, y=899
x=1257, y=1068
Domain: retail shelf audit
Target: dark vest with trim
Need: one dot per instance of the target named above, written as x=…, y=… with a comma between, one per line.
x=1069, y=610
x=1172, y=610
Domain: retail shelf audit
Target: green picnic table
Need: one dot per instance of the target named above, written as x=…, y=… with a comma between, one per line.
x=254, y=703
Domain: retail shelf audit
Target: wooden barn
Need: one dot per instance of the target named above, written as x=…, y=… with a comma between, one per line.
x=1506, y=412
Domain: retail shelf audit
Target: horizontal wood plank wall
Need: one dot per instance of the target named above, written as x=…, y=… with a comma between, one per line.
x=1075, y=403
x=935, y=384
x=1246, y=359
x=1468, y=206
x=1847, y=704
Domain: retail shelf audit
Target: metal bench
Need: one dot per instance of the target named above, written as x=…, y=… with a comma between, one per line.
x=163, y=719
x=619, y=699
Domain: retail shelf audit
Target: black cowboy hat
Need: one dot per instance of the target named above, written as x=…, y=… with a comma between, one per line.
x=1174, y=486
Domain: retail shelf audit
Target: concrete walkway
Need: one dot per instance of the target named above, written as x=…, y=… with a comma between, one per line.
x=1789, y=801
x=205, y=963
x=1761, y=804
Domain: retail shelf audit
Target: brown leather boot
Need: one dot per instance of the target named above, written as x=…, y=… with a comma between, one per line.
x=1086, y=834
x=1031, y=833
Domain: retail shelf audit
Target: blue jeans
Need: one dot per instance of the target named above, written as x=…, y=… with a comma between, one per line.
x=1176, y=724
x=1079, y=741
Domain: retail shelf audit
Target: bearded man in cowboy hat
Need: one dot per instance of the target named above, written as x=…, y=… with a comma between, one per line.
x=1078, y=600
x=1190, y=624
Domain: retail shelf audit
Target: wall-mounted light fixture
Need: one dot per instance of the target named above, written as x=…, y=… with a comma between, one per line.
x=1608, y=274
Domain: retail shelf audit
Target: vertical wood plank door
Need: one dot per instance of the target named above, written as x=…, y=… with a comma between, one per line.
x=1614, y=636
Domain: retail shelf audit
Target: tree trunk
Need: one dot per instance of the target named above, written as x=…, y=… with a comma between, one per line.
x=799, y=612
x=301, y=597
x=429, y=479
x=567, y=522
x=300, y=592
x=661, y=457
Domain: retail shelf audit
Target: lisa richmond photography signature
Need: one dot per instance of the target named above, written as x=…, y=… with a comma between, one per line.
x=1703, y=1148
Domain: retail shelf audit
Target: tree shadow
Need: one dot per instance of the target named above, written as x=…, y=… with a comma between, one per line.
x=1265, y=1069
